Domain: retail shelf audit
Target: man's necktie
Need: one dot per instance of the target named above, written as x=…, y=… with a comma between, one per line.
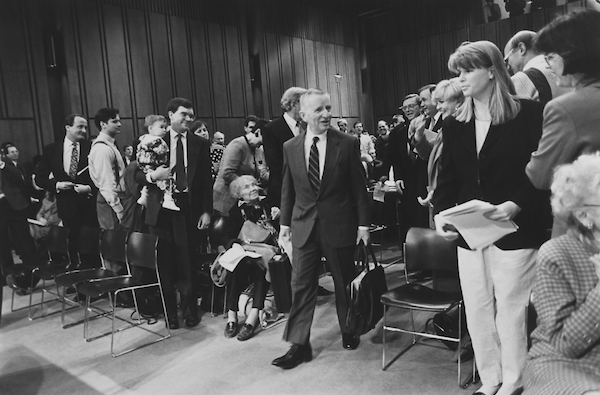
x=180, y=178
x=298, y=128
x=313, y=167
x=438, y=124
x=73, y=165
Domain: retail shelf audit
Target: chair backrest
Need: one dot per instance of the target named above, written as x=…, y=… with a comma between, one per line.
x=141, y=250
x=58, y=243
x=424, y=249
x=113, y=246
x=88, y=247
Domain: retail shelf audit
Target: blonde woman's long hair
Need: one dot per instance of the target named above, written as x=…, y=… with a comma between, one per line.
x=503, y=104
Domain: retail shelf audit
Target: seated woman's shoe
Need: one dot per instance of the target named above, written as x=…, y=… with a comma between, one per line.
x=230, y=329
x=245, y=333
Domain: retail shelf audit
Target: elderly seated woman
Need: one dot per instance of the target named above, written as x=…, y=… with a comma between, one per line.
x=249, y=269
x=565, y=355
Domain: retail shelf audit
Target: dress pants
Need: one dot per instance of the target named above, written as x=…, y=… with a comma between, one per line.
x=305, y=281
x=174, y=254
x=6, y=258
x=247, y=271
x=74, y=224
x=496, y=285
x=107, y=219
x=15, y=222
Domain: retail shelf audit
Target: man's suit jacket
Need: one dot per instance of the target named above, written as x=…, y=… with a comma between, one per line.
x=199, y=181
x=571, y=128
x=411, y=169
x=15, y=186
x=342, y=203
x=275, y=134
x=70, y=204
x=497, y=174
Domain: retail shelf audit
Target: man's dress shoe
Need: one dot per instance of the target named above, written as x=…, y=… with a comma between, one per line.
x=297, y=354
x=173, y=323
x=245, y=333
x=230, y=329
x=350, y=341
x=192, y=321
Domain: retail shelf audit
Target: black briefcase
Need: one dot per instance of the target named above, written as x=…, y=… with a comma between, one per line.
x=280, y=269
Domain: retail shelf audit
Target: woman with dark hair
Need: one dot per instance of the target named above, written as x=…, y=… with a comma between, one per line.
x=243, y=156
x=571, y=45
x=487, y=144
x=565, y=354
x=200, y=129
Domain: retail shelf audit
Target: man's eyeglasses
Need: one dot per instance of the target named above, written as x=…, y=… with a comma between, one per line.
x=187, y=115
x=409, y=106
x=506, y=59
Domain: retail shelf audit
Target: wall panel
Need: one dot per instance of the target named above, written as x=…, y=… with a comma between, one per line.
x=14, y=68
x=140, y=64
x=118, y=75
x=351, y=90
x=162, y=74
x=285, y=58
x=333, y=86
x=273, y=70
x=310, y=64
x=181, y=58
x=237, y=79
x=92, y=57
x=299, y=62
x=321, y=65
x=203, y=92
x=219, y=70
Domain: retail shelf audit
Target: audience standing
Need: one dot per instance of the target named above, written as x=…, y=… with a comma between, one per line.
x=216, y=150
x=410, y=171
x=481, y=161
x=106, y=169
x=189, y=161
x=277, y=132
x=530, y=73
x=14, y=205
x=447, y=96
x=243, y=156
x=64, y=170
x=571, y=46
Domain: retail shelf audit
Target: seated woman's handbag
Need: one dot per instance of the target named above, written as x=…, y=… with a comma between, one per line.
x=252, y=232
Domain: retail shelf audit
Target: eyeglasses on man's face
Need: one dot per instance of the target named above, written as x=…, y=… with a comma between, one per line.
x=409, y=106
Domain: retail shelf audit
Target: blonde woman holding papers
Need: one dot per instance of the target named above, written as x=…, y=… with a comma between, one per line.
x=487, y=145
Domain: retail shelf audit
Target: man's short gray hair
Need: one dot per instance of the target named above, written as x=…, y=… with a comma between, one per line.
x=291, y=96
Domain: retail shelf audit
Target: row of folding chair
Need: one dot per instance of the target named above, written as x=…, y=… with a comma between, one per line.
x=122, y=249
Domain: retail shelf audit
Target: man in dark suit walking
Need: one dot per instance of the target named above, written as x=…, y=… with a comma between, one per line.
x=274, y=135
x=190, y=166
x=63, y=170
x=14, y=204
x=325, y=212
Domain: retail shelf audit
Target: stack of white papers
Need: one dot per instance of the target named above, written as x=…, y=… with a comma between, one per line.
x=477, y=230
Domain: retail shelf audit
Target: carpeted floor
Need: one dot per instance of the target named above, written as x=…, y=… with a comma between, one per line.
x=38, y=357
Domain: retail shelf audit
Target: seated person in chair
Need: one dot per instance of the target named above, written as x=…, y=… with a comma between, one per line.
x=565, y=353
x=250, y=208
